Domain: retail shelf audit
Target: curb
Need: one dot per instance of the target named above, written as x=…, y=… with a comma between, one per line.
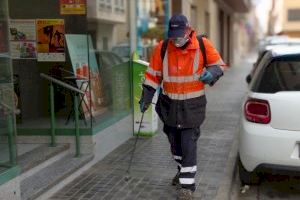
x=225, y=189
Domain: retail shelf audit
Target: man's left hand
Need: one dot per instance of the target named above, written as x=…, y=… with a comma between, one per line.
x=211, y=75
x=206, y=77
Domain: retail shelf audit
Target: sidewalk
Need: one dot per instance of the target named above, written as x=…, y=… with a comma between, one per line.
x=153, y=167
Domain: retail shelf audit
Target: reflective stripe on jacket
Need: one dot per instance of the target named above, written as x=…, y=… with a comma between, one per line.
x=178, y=75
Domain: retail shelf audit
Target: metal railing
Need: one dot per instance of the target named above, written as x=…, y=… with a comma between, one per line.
x=10, y=136
x=77, y=92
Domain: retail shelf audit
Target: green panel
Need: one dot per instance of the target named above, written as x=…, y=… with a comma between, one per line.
x=121, y=87
x=9, y=174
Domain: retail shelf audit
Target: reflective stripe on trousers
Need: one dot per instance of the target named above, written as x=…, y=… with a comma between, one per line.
x=183, y=144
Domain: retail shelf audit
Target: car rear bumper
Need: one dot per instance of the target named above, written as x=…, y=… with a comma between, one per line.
x=261, y=144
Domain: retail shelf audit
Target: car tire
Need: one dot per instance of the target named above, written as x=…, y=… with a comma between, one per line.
x=247, y=178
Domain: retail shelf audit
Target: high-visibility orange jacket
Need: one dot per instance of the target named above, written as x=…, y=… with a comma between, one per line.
x=178, y=75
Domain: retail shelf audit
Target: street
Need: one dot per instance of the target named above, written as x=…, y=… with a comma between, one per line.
x=273, y=187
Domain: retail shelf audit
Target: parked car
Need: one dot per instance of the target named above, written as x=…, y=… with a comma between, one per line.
x=107, y=58
x=284, y=44
x=270, y=126
x=123, y=50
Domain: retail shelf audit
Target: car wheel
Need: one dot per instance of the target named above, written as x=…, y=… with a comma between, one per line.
x=247, y=178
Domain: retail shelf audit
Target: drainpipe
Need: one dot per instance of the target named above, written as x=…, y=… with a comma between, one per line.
x=167, y=16
x=132, y=24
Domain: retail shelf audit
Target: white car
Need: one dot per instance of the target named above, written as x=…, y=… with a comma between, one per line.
x=270, y=126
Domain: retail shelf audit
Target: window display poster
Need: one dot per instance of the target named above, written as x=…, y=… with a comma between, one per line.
x=80, y=57
x=23, y=50
x=22, y=30
x=50, y=40
x=22, y=36
x=72, y=7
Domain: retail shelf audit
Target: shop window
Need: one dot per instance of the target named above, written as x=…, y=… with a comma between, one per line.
x=72, y=49
x=112, y=56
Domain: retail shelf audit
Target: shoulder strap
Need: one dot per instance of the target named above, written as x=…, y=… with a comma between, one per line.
x=202, y=48
x=164, y=49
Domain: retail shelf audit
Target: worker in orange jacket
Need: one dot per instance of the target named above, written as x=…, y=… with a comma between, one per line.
x=180, y=67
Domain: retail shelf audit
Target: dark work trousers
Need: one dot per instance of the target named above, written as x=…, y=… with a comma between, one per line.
x=183, y=144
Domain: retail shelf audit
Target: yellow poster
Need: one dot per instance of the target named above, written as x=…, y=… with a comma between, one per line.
x=51, y=40
x=72, y=7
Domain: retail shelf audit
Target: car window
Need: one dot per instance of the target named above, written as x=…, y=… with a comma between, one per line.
x=279, y=75
x=123, y=51
x=265, y=59
x=259, y=58
x=108, y=59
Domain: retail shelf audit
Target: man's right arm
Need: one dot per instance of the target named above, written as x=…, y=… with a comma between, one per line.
x=153, y=75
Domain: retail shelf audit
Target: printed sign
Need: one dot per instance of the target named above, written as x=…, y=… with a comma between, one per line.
x=23, y=50
x=50, y=40
x=22, y=36
x=72, y=7
x=22, y=30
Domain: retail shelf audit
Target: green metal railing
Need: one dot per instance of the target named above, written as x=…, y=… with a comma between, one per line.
x=76, y=93
x=10, y=137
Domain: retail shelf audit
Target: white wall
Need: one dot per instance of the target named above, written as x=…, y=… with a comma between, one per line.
x=105, y=30
x=122, y=33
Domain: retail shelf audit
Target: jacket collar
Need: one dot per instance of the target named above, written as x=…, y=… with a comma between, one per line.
x=192, y=45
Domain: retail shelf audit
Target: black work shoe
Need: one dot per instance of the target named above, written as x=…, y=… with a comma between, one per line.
x=185, y=194
x=175, y=180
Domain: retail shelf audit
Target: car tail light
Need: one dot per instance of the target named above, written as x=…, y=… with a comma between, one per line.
x=257, y=111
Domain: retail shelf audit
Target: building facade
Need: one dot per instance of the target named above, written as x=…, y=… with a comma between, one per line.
x=219, y=20
x=291, y=18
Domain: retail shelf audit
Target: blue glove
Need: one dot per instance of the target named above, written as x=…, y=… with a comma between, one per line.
x=206, y=77
x=143, y=106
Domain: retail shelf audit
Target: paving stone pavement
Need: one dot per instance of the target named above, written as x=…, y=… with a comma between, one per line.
x=153, y=167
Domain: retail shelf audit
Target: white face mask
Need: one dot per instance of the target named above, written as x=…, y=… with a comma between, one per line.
x=180, y=42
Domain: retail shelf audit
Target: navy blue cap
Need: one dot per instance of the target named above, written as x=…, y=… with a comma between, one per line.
x=177, y=26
